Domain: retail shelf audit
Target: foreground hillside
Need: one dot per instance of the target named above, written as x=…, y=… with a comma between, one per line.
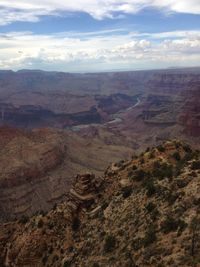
x=142, y=212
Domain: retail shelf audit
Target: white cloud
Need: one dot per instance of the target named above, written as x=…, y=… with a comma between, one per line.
x=97, y=52
x=22, y=10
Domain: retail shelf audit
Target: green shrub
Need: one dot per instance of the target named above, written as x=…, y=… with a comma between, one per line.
x=154, y=214
x=104, y=205
x=147, y=149
x=24, y=219
x=76, y=224
x=162, y=171
x=150, y=236
x=169, y=224
x=176, y=156
x=109, y=243
x=137, y=244
x=195, y=165
x=134, y=167
x=150, y=207
x=67, y=264
x=187, y=148
x=140, y=175
x=130, y=174
x=40, y=223
x=150, y=187
x=126, y=192
x=182, y=227
x=142, y=161
x=151, y=155
x=161, y=148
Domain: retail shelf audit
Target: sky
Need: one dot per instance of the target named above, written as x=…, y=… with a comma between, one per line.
x=99, y=35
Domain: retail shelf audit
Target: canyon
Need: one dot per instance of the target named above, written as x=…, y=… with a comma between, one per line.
x=55, y=125
x=140, y=212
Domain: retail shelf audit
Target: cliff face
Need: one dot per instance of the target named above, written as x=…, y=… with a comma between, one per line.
x=26, y=163
x=37, y=167
x=142, y=212
x=190, y=115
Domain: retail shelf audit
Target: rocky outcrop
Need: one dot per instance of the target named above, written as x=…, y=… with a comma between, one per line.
x=142, y=212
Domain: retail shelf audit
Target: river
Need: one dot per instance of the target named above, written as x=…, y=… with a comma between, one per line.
x=116, y=118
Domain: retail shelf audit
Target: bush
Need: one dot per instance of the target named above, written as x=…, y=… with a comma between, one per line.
x=130, y=174
x=24, y=219
x=176, y=156
x=195, y=165
x=67, y=264
x=140, y=175
x=150, y=187
x=163, y=170
x=142, y=161
x=187, y=148
x=151, y=155
x=150, y=207
x=126, y=192
x=150, y=236
x=154, y=214
x=182, y=226
x=161, y=148
x=109, y=244
x=40, y=223
x=169, y=224
x=134, y=167
x=137, y=244
x=75, y=224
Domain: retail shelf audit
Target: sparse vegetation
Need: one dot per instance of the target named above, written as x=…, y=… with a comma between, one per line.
x=150, y=236
x=129, y=221
x=127, y=191
x=67, y=264
x=161, y=148
x=150, y=187
x=170, y=224
x=195, y=165
x=150, y=207
x=109, y=243
x=140, y=175
x=76, y=224
x=177, y=156
x=40, y=223
x=24, y=219
x=195, y=234
x=162, y=170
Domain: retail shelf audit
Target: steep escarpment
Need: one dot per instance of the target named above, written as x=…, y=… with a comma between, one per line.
x=141, y=212
x=37, y=167
x=26, y=161
x=190, y=115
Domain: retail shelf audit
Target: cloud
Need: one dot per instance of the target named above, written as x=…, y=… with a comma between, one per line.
x=22, y=10
x=98, y=52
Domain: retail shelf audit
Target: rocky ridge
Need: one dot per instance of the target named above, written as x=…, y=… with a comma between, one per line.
x=141, y=212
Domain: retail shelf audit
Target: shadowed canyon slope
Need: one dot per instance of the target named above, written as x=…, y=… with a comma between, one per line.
x=141, y=212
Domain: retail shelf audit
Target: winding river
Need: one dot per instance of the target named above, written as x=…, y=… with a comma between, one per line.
x=116, y=118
